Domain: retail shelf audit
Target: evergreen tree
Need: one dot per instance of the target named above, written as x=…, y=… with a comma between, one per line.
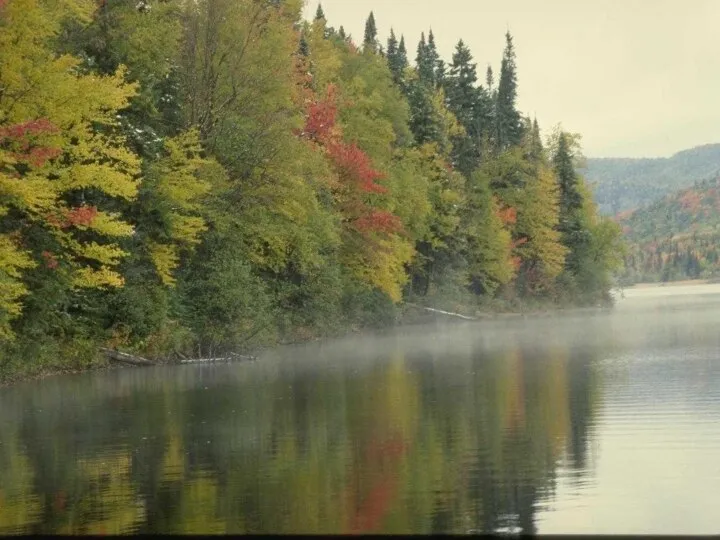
x=464, y=101
x=508, y=131
x=341, y=33
x=320, y=14
x=303, y=47
x=395, y=60
x=370, y=40
x=421, y=52
x=440, y=73
x=427, y=60
x=568, y=180
x=402, y=57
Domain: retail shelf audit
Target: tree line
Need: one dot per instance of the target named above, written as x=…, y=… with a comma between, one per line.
x=180, y=177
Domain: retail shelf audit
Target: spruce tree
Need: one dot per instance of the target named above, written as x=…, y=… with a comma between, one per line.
x=508, y=130
x=370, y=39
x=397, y=59
x=320, y=14
x=402, y=53
x=463, y=100
x=303, y=47
x=421, y=52
x=427, y=60
x=571, y=202
x=440, y=73
x=341, y=33
x=461, y=89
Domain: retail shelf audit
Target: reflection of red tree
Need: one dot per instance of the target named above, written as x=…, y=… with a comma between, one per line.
x=380, y=459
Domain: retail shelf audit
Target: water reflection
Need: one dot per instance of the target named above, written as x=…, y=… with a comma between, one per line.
x=423, y=443
x=476, y=429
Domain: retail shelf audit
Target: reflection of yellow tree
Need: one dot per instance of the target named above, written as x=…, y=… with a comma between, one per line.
x=554, y=404
x=109, y=503
x=19, y=505
x=198, y=511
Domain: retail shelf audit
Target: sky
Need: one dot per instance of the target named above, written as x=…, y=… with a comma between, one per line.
x=636, y=78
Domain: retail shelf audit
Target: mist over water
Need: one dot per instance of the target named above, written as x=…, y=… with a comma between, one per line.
x=602, y=422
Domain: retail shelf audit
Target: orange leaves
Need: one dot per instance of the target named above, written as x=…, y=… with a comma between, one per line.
x=691, y=201
x=508, y=215
x=81, y=216
x=516, y=260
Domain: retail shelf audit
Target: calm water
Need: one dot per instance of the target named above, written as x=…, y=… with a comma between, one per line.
x=607, y=423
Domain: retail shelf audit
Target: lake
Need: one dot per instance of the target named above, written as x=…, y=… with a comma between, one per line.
x=606, y=422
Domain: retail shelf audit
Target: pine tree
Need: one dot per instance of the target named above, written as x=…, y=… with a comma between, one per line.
x=461, y=90
x=440, y=73
x=427, y=60
x=370, y=40
x=508, y=130
x=571, y=204
x=394, y=59
x=421, y=52
x=463, y=100
x=320, y=14
x=402, y=58
x=303, y=47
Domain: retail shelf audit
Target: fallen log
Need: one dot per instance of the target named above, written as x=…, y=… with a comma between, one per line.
x=449, y=313
x=232, y=357
x=124, y=358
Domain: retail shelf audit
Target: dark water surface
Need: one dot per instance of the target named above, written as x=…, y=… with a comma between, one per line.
x=606, y=423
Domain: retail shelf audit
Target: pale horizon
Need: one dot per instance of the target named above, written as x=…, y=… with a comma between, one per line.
x=635, y=79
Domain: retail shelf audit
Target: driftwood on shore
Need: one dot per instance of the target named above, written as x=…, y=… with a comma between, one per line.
x=133, y=360
x=124, y=358
x=232, y=357
x=449, y=313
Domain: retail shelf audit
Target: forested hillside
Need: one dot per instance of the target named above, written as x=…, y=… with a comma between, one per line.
x=187, y=177
x=621, y=184
x=676, y=237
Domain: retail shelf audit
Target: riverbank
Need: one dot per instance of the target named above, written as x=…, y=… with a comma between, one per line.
x=672, y=283
x=409, y=314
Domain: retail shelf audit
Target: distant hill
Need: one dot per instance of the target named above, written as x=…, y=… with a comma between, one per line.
x=626, y=183
x=676, y=237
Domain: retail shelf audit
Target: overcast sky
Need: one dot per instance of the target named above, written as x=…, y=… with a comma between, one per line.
x=637, y=78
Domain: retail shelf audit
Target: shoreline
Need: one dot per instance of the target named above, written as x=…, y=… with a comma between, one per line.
x=439, y=315
x=658, y=284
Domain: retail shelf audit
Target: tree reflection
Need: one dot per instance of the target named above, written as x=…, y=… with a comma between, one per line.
x=432, y=442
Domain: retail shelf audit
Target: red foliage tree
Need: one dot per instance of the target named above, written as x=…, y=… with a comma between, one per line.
x=22, y=141
x=508, y=215
x=353, y=166
x=82, y=215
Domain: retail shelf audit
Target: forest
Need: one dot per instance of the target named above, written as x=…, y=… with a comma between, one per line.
x=622, y=184
x=185, y=178
x=675, y=237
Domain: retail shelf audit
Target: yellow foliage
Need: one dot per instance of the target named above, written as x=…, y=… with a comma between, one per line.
x=110, y=224
x=179, y=186
x=89, y=278
x=12, y=262
x=48, y=90
x=383, y=265
x=165, y=259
